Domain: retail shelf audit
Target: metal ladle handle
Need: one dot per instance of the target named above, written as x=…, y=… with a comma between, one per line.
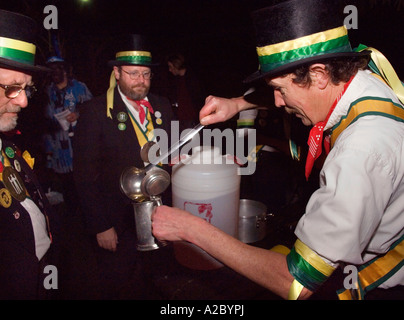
x=194, y=131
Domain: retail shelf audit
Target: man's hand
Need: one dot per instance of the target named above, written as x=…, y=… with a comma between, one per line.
x=170, y=223
x=218, y=109
x=108, y=239
x=72, y=117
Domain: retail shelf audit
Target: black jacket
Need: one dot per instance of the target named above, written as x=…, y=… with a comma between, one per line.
x=19, y=267
x=101, y=151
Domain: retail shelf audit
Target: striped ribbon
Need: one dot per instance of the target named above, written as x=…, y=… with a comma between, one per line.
x=134, y=56
x=17, y=50
x=368, y=106
x=381, y=66
x=143, y=136
x=308, y=269
x=375, y=272
x=276, y=55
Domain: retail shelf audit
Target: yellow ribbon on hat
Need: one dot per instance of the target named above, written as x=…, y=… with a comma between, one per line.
x=387, y=71
x=110, y=94
x=17, y=45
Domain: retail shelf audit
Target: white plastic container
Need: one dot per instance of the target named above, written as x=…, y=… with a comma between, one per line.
x=207, y=185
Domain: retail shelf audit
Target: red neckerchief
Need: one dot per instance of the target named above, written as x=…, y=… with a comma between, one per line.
x=142, y=113
x=316, y=136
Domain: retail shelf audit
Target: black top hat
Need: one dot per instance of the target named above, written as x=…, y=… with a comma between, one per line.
x=297, y=32
x=133, y=49
x=17, y=42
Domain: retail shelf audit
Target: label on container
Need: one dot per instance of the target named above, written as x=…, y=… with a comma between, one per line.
x=222, y=212
x=203, y=210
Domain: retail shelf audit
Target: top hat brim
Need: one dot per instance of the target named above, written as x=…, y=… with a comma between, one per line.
x=287, y=68
x=22, y=67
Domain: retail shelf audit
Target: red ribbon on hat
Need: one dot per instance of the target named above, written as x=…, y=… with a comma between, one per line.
x=316, y=136
x=142, y=113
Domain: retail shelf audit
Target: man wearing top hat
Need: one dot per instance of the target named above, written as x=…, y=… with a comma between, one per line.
x=356, y=217
x=108, y=138
x=25, y=215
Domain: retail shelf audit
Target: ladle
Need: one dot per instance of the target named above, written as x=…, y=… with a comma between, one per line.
x=194, y=131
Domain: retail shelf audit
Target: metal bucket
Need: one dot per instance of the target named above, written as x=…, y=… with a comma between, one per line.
x=143, y=211
x=253, y=221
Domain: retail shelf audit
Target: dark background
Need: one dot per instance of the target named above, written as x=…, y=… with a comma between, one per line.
x=216, y=36
x=218, y=39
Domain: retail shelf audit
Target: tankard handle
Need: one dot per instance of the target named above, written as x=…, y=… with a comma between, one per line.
x=158, y=202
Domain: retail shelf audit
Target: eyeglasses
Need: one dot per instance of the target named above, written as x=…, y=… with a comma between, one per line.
x=12, y=91
x=136, y=75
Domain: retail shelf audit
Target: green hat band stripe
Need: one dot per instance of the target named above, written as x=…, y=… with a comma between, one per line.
x=135, y=59
x=304, y=272
x=273, y=61
x=17, y=55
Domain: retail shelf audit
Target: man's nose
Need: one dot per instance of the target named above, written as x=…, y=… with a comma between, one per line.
x=140, y=78
x=21, y=99
x=279, y=102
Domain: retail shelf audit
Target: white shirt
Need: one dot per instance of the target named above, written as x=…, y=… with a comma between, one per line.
x=358, y=211
x=42, y=241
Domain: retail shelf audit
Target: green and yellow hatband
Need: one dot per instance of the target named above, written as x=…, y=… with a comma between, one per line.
x=277, y=55
x=17, y=50
x=134, y=57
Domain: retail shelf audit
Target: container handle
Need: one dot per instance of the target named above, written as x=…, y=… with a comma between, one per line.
x=265, y=219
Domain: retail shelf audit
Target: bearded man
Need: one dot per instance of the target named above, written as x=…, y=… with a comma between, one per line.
x=112, y=129
x=27, y=224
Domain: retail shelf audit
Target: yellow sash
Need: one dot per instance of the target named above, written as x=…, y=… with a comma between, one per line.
x=368, y=106
x=143, y=136
x=375, y=272
x=372, y=274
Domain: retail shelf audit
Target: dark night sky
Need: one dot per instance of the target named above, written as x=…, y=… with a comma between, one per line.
x=215, y=35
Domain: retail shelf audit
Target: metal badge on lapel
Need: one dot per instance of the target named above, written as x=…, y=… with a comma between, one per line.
x=9, y=152
x=13, y=182
x=122, y=117
x=157, y=114
x=17, y=165
x=5, y=198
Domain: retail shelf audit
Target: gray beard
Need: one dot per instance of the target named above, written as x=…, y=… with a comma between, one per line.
x=8, y=126
x=134, y=96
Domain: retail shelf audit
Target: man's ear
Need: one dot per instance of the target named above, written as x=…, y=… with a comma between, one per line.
x=116, y=72
x=319, y=75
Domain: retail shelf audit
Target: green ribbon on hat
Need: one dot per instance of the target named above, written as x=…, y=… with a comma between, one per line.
x=17, y=50
x=135, y=57
x=276, y=55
